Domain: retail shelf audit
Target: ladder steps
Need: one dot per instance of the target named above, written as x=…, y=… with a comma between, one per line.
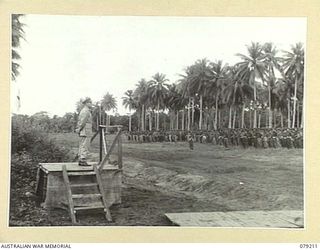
x=88, y=199
x=88, y=208
x=84, y=185
x=86, y=196
x=81, y=173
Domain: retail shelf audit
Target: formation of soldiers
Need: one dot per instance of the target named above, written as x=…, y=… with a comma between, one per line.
x=258, y=138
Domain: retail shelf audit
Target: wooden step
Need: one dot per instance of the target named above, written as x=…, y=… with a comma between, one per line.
x=84, y=185
x=84, y=173
x=79, y=196
x=88, y=208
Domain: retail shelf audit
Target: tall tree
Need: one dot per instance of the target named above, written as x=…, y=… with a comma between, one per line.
x=293, y=65
x=271, y=63
x=200, y=75
x=141, y=95
x=108, y=103
x=235, y=94
x=252, y=67
x=158, y=92
x=216, y=86
x=129, y=102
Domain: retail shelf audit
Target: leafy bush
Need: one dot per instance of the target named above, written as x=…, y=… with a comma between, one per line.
x=30, y=140
x=30, y=146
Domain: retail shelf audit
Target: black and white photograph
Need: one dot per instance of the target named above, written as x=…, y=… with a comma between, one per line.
x=162, y=121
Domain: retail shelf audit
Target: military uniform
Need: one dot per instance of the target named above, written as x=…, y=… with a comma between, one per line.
x=84, y=128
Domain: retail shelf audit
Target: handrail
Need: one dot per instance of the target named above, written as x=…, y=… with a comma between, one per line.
x=94, y=136
x=106, y=157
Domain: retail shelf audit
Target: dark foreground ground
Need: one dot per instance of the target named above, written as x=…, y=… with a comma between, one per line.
x=161, y=178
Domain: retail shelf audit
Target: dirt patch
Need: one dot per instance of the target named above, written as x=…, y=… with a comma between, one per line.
x=164, y=178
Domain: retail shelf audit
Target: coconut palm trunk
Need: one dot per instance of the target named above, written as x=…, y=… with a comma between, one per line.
x=242, y=116
x=158, y=114
x=145, y=120
x=216, y=116
x=130, y=122
x=289, y=122
x=270, y=110
x=200, y=119
x=182, y=121
x=150, y=121
x=192, y=112
x=189, y=110
x=298, y=114
x=177, y=127
x=255, y=101
x=230, y=117
x=294, y=102
x=234, y=118
x=142, y=117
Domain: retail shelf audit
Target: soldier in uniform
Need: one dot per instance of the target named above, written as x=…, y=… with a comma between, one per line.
x=84, y=129
x=190, y=140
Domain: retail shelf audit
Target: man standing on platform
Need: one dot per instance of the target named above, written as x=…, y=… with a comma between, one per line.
x=84, y=129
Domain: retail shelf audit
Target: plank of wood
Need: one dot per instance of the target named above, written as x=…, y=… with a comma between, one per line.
x=71, y=166
x=255, y=219
x=88, y=208
x=84, y=185
x=106, y=157
x=81, y=173
x=69, y=194
x=104, y=199
x=79, y=196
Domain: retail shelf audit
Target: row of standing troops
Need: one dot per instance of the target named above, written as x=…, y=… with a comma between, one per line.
x=259, y=138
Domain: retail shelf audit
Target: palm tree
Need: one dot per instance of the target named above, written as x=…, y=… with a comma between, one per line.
x=272, y=63
x=17, y=35
x=200, y=75
x=293, y=65
x=251, y=67
x=129, y=102
x=175, y=102
x=280, y=97
x=215, y=87
x=141, y=95
x=234, y=94
x=158, y=91
x=183, y=84
x=108, y=103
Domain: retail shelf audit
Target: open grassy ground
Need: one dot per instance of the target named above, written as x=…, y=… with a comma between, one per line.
x=169, y=177
x=164, y=178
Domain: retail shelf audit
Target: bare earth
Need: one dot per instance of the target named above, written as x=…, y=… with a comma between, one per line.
x=164, y=178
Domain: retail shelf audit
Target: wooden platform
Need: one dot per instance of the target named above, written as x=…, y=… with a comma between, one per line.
x=252, y=219
x=72, y=166
x=52, y=190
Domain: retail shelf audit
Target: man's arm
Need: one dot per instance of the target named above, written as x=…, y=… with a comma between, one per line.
x=83, y=118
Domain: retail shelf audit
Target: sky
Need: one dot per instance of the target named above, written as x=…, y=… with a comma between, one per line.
x=65, y=58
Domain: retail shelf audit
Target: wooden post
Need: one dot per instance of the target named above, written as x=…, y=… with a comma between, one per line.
x=119, y=149
x=100, y=143
x=69, y=194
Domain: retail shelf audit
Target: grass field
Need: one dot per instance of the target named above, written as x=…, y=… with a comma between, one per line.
x=169, y=177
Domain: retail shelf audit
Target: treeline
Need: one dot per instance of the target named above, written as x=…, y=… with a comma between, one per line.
x=264, y=89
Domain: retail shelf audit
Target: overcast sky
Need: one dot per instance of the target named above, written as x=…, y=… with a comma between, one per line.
x=66, y=58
